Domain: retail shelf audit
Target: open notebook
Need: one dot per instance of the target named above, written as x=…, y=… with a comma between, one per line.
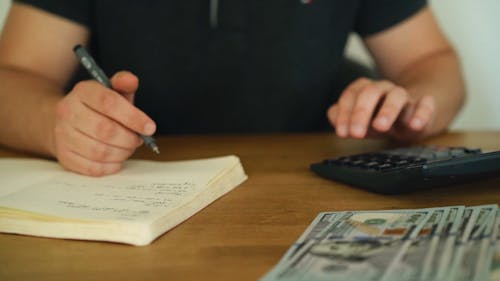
x=146, y=199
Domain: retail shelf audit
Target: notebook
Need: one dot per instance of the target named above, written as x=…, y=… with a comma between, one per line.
x=135, y=206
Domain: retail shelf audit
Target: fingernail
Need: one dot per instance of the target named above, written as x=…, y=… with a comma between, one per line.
x=416, y=123
x=342, y=130
x=358, y=130
x=383, y=122
x=149, y=128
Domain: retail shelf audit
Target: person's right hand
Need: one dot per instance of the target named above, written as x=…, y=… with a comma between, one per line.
x=96, y=127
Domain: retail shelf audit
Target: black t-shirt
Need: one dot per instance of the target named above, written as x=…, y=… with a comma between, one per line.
x=218, y=66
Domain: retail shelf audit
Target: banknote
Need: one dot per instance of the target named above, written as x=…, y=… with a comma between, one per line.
x=356, y=246
x=471, y=256
x=493, y=262
x=476, y=249
x=319, y=224
x=486, y=245
x=384, y=225
x=417, y=258
x=444, y=251
x=436, y=244
x=457, y=250
x=466, y=250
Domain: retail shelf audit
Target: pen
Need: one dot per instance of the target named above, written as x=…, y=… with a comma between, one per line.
x=89, y=63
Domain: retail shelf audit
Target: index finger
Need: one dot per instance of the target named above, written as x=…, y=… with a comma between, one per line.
x=365, y=105
x=115, y=106
x=423, y=113
x=345, y=104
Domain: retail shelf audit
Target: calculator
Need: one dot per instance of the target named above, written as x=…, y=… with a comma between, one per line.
x=409, y=169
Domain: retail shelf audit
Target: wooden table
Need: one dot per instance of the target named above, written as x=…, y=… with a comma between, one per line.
x=244, y=233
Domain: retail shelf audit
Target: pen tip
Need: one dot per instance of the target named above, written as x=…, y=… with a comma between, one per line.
x=156, y=150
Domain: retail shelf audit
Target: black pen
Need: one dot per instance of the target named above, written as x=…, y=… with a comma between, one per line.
x=89, y=63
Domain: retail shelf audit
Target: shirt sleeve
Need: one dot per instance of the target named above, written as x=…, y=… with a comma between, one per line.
x=74, y=10
x=377, y=15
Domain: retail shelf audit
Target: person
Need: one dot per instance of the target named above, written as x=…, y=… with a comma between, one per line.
x=216, y=66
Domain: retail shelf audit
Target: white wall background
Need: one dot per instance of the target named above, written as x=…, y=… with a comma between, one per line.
x=4, y=7
x=474, y=28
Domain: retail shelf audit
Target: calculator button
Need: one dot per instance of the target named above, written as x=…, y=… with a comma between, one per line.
x=385, y=166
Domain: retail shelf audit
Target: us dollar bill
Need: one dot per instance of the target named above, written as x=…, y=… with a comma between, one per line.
x=476, y=249
x=467, y=250
x=418, y=256
x=322, y=221
x=356, y=246
x=494, y=253
x=486, y=245
x=447, y=240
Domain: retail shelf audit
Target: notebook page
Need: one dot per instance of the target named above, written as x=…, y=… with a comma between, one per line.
x=143, y=191
x=15, y=173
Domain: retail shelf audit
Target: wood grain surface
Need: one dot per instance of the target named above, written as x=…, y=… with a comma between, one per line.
x=244, y=233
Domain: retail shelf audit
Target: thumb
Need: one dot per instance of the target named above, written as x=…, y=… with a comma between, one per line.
x=126, y=83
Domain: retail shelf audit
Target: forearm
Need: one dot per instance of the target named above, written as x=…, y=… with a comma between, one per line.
x=27, y=111
x=439, y=76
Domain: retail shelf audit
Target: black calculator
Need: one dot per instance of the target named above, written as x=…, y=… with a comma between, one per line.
x=408, y=169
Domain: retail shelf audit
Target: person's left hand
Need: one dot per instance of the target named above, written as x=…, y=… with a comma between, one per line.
x=370, y=108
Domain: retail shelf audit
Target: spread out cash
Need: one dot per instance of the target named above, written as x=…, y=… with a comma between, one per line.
x=435, y=244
